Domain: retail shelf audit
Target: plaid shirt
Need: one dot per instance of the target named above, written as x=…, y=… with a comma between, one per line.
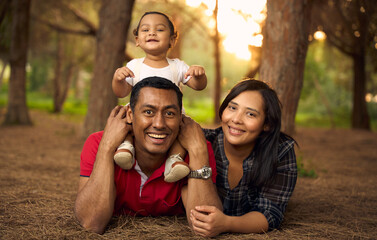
x=271, y=200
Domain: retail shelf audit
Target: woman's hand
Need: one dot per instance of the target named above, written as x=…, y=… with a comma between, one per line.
x=208, y=221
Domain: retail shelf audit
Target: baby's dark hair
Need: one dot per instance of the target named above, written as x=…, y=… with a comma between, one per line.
x=154, y=82
x=173, y=31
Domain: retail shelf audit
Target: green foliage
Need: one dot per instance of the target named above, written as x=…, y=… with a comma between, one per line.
x=302, y=171
x=39, y=73
x=326, y=97
x=201, y=110
x=40, y=101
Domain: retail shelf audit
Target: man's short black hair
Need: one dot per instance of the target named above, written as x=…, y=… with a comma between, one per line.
x=154, y=82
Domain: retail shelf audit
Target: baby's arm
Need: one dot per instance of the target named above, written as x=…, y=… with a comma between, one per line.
x=121, y=88
x=198, y=79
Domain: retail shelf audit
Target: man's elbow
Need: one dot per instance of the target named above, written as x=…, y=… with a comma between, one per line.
x=91, y=223
x=100, y=229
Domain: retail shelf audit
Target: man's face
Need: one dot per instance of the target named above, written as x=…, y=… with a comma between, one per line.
x=155, y=120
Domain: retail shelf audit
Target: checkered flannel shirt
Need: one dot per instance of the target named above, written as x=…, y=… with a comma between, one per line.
x=271, y=201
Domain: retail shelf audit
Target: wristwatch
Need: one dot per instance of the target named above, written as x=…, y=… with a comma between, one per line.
x=203, y=173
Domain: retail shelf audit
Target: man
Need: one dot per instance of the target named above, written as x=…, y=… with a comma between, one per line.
x=106, y=189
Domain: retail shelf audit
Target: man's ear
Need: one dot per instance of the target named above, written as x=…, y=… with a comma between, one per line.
x=129, y=115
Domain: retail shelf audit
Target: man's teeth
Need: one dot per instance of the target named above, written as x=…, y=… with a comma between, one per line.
x=157, y=135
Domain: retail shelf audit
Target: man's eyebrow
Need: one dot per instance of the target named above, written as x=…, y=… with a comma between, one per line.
x=174, y=106
x=249, y=108
x=148, y=106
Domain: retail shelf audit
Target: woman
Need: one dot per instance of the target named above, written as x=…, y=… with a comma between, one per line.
x=256, y=164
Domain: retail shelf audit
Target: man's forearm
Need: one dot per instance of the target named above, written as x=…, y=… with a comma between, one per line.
x=95, y=200
x=200, y=191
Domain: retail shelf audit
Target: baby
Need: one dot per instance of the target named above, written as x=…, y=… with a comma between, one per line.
x=155, y=35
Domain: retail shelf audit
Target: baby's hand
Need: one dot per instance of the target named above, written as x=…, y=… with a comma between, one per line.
x=122, y=73
x=195, y=71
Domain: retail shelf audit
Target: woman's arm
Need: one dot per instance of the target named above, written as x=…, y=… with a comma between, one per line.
x=268, y=207
x=273, y=199
x=210, y=221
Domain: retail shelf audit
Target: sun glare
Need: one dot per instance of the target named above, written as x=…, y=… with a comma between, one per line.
x=319, y=35
x=238, y=22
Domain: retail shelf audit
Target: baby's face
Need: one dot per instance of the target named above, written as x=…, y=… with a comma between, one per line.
x=154, y=34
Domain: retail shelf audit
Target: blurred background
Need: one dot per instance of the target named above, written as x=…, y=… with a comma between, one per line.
x=74, y=46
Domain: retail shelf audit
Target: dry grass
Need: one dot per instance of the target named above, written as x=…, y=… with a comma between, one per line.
x=39, y=168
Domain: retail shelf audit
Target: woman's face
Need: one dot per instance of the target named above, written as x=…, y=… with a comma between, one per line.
x=243, y=119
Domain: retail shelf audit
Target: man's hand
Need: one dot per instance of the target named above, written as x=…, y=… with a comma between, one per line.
x=116, y=128
x=191, y=135
x=122, y=73
x=208, y=221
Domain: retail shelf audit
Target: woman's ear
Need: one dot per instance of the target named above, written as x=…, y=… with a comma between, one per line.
x=266, y=127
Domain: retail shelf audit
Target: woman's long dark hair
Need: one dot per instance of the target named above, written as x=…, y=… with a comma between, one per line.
x=266, y=147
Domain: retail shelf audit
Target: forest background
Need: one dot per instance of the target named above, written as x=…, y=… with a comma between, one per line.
x=57, y=59
x=62, y=55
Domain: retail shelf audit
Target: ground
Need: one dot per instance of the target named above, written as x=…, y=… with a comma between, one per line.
x=39, y=172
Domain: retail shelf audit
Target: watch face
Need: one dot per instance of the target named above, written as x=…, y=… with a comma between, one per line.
x=206, y=172
x=203, y=173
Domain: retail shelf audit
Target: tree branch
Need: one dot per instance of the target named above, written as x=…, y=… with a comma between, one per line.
x=63, y=29
x=81, y=17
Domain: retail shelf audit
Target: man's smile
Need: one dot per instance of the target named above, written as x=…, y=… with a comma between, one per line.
x=158, y=136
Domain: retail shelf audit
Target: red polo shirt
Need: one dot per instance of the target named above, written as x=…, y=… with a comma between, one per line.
x=156, y=198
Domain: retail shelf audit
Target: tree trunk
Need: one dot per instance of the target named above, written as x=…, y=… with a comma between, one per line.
x=216, y=41
x=255, y=61
x=360, y=116
x=283, y=55
x=63, y=77
x=115, y=18
x=17, y=108
x=69, y=74
x=58, y=74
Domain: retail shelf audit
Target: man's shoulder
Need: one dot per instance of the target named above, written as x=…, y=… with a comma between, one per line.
x=97, y=136
x=93, y=140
